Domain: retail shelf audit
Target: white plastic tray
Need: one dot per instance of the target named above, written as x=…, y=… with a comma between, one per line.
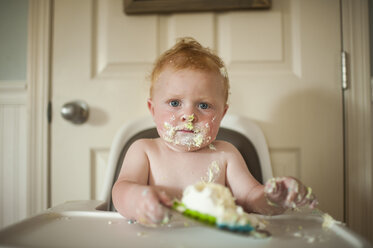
x=81, y=224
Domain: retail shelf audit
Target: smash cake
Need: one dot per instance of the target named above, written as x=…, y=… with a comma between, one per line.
x=214, y=204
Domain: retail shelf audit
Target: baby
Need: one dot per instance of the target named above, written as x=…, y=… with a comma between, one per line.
x=188, y=100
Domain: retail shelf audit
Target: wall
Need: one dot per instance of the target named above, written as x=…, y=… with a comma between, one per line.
x=13, y=112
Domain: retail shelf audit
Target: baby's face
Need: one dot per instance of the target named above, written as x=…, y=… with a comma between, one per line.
x=187, y=107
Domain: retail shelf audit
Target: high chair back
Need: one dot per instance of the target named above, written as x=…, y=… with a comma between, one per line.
x=242, y=132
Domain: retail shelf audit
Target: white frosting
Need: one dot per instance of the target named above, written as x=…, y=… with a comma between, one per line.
x=213, y=173
x=216, y=200
x=329, y=221
x=190, y=140
x=223, y=72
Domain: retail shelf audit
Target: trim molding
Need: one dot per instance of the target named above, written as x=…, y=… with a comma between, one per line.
x=358, y=126
x=13, y=85
x=38, y=65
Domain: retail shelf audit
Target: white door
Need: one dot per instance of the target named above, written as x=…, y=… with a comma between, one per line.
x=283, y=63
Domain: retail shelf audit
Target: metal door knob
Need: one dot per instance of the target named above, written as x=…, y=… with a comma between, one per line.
x=77, y=112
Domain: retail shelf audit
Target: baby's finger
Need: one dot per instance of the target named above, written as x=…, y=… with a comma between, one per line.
x=154, y=211
x=308, y=198
x=273, y=186
x=292, y=184
x=295, y=192
x=314, y=203
x=275, y=189
x=278, y=197
x=143, y=219
x=151, y=209
x=165, y=199
x=291, y=199
x=311, y=198
x=270, y=186
x=301, y=199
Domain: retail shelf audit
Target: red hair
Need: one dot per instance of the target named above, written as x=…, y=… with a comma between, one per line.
x=187, y=53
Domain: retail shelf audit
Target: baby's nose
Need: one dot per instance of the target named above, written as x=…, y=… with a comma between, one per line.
x=189, y=118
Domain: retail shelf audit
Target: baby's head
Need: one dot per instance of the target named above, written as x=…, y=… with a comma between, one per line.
x=188, y=95
x=187, y=53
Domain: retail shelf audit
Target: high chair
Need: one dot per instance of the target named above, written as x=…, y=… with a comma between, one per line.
x=93, y=223
x=242, y=132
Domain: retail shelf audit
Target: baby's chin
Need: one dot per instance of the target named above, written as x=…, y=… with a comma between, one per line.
x=185, y=148
x=185, y=139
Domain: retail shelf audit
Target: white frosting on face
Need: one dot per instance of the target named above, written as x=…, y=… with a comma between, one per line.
x=188, y=134
x=223, y=72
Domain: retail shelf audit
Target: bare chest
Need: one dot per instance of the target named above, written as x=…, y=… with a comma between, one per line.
x=175, y=171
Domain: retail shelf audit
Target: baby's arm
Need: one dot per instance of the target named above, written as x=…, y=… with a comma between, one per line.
x=132, y=197
x=273, y=198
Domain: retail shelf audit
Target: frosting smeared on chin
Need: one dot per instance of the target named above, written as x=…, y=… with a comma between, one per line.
x=187, y=135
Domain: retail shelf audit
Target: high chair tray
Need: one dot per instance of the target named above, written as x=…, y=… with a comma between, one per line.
x=82, y=224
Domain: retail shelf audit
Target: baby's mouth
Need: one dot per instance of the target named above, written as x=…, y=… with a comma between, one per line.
x=185, y=135
x=187, y=128
x=186, y=131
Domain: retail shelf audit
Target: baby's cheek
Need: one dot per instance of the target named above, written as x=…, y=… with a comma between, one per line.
x=212, y=130
x=164, y=124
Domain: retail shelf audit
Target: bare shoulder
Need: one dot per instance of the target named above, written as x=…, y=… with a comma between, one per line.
x=144, y=145
x=232, y=155
x=222, y=145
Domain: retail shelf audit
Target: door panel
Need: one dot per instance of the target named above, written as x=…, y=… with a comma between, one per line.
x=284, y=70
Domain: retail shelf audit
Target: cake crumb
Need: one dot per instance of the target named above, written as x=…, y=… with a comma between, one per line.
x=213, y=173
x=212, y=147
x=141, y=234
x=310, y=239
x=145, y=192
x=329, y=221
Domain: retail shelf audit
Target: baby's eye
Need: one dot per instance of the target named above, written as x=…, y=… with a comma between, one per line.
x=203, y=105
x=174, y=103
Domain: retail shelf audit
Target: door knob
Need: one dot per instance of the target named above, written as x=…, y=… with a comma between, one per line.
x=77, y=112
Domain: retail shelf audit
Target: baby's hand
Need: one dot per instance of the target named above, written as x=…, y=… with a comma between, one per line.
x=288, y=192
x=151, y=208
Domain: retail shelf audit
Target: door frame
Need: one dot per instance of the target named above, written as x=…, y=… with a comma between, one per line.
x=358, y=118
x=357, y=108
x=38, y=87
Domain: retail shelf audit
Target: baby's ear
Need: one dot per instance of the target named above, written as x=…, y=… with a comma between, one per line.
x=225, y=109
x=151, y=106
